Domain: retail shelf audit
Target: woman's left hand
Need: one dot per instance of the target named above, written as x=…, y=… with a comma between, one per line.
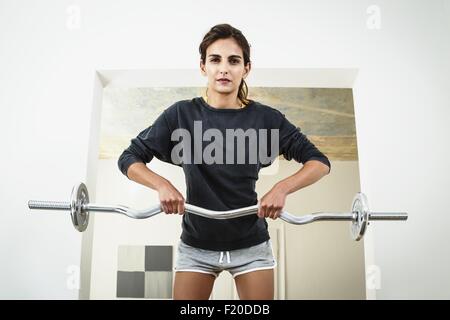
x=271, y=205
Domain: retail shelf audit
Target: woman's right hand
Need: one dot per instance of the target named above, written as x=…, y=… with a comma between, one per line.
x=172, y=201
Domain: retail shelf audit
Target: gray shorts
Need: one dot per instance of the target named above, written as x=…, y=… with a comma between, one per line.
x=239, y=261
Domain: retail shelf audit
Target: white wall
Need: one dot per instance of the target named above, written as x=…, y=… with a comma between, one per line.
x=401, y=107
x=110, y=231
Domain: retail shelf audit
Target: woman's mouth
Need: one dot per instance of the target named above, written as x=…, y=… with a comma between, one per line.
x=224, y=81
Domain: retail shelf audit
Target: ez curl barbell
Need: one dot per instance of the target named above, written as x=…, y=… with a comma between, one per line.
x=79, y=207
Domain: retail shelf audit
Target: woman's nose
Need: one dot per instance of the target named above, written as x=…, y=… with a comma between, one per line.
x=223, y=68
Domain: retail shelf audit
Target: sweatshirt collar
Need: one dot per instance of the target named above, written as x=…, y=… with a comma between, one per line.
x=203, y=103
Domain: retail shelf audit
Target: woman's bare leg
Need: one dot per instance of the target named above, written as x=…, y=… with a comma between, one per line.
x=192, y=285
x=255, y=285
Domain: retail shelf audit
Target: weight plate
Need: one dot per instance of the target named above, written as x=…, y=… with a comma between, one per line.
x=360, y=208
x=79, y=196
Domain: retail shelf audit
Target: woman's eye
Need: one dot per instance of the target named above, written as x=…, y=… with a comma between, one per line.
x=232, y=61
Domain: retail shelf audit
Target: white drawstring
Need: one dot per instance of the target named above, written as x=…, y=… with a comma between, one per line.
x=228, y=257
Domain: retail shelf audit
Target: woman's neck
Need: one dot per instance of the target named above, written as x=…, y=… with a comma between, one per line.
x=225, y=101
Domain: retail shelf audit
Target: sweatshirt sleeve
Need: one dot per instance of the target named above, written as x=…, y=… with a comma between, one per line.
x=154, y=141
x=295, y=145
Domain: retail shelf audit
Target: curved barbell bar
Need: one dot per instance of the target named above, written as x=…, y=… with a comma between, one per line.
x=80, y=207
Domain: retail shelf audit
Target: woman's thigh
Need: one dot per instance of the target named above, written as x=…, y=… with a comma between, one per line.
x=193, y=285
x=255, y=285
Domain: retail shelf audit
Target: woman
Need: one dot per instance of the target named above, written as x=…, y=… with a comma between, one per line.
x=222, y=179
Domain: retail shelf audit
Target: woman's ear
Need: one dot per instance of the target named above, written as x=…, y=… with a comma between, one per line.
x=202, y=68
x=248, y=67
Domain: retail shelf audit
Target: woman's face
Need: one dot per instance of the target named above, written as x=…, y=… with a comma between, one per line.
x=224, y=59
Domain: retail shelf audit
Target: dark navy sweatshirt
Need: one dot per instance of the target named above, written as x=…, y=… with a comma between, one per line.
x=222, y=184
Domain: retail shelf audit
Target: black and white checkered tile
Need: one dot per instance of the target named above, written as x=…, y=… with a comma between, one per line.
x=145, y=272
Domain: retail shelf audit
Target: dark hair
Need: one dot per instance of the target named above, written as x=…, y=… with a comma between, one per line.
x=225, y=31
